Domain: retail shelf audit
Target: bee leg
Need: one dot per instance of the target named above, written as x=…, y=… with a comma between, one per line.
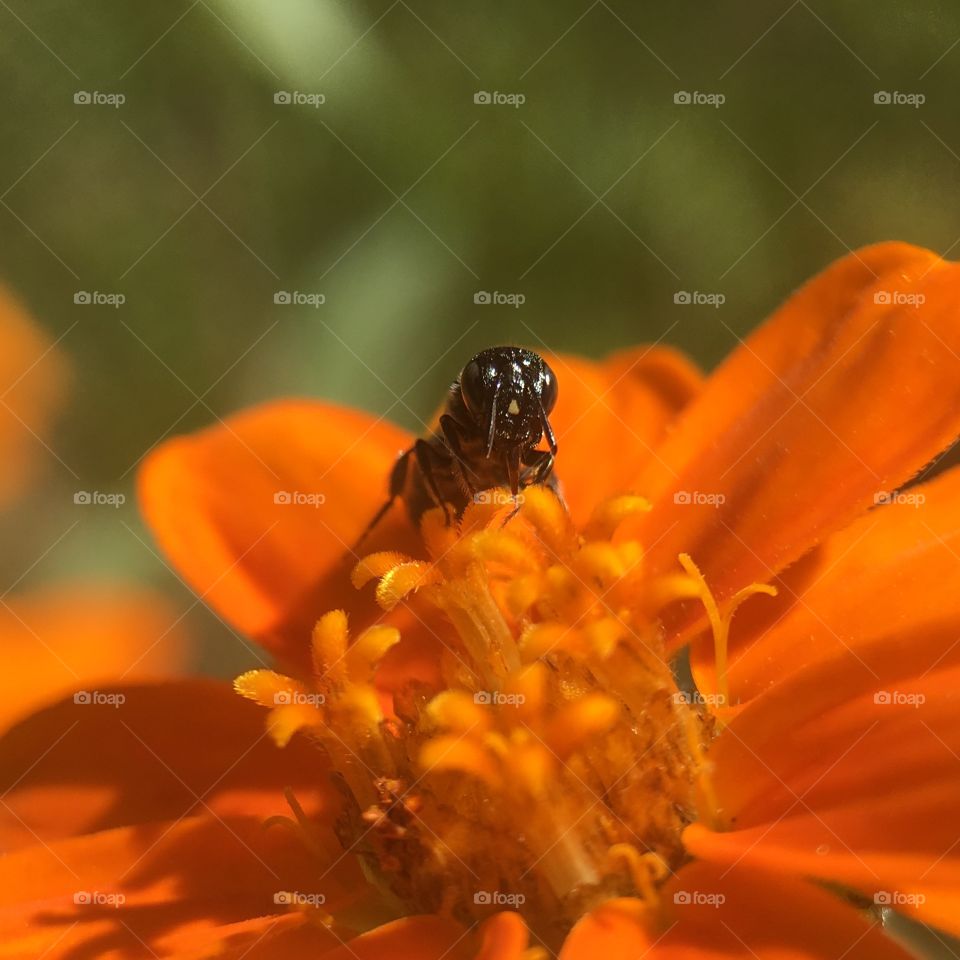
x=398, y=479
x=513, y=461
x=511, y=514
x=540, y=463
x=451, y=429
x=548, y=430
x=426, y=461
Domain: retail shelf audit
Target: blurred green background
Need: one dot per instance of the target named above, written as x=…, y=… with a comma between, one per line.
x=398, y=198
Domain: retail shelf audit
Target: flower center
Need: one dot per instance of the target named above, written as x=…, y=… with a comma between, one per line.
x=558, y=762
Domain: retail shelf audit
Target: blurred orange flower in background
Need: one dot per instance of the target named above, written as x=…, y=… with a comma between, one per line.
x=62, y=637
x=33, y=380
x=812, y=771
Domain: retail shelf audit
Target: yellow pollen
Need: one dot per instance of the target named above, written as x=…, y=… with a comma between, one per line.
x=557, y=763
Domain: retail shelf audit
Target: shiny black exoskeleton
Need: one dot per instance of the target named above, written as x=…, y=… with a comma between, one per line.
x=496, y=414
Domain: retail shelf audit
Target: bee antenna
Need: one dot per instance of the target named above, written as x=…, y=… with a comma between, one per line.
x=493, y=420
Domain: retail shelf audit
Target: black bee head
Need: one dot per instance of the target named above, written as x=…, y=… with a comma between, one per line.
x=509, y=392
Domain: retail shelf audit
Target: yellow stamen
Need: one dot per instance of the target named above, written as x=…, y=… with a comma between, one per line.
x=268, y=688
x=720, y=619
x=647, y=869
x=330, y=647
x=557, y=765
x=368, y=650
x=609, y=514
x=578, y=722
x=457, y=753
x=458, y=711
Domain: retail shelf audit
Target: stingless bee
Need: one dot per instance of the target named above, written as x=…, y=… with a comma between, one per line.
x=496, y=414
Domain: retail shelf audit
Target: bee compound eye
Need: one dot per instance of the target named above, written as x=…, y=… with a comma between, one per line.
x=473, y=387
x=548, y=388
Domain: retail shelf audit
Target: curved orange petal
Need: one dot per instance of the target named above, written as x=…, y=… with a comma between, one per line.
x=33, y=377
x=612, y=415
x=290, y=936
x=897, y=568
x=223, y=504
x=178, y=881
x=844, y=394
x=850, y=771
x=744, y=912
x=505, y=937
x=422, y=938
x=842, y=697
x=616, y=930
x=164, y=752
x=710, y=912
x=410, y=938
x=67, y=637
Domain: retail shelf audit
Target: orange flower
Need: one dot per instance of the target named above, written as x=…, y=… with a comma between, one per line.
x=504, y=746
x=69, y=636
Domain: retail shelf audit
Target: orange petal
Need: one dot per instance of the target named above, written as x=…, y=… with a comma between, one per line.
x=68, y=637
x=839, y=397
x=412, y=938
x=617, y=930
x=154, y=889
x=419, y=654
x=611, y=416
x=163, y=752
x=422, y=938
x=839, y=698
x=260, y=513
x=32, y=380
x=894, y=569
x=505, y=937
x=746, y=913
x=291, y=936
x=848, y=771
